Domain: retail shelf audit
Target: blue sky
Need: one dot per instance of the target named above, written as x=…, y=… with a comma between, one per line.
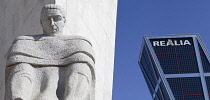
x=137, y=18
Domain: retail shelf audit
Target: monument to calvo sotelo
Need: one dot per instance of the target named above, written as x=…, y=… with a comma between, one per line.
x=50, y=66
x=88, y=23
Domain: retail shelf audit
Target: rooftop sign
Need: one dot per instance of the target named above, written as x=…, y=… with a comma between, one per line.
x=171, y=42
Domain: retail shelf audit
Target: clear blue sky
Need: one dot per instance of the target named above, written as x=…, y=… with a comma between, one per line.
x=137, y=18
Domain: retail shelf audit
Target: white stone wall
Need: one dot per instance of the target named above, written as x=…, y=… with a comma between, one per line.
x=94, y=19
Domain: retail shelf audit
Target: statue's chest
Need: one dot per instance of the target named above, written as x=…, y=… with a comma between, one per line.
x=55, y=46
x=52, y=43
x=48, y=49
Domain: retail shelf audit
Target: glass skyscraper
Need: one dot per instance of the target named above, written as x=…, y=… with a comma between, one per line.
x=176, y=67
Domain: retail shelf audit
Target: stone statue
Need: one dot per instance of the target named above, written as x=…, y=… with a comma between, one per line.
x=50, y=66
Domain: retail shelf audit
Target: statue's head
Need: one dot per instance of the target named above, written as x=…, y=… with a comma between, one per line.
x=52, y=19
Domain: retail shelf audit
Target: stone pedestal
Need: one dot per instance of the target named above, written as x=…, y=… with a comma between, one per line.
x=95, y=20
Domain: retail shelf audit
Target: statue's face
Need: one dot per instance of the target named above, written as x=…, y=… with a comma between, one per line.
x=53, y=22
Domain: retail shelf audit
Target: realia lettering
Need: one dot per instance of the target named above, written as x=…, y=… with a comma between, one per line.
x=169, y=42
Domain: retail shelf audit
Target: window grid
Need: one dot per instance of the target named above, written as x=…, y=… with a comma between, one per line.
x=165, y=93
x=208, y=84
x=188, y=56
x=151, y=89
x=182, y=90
x=177, y=59
x=204, y=60
x=182, y=55
x=146, y=64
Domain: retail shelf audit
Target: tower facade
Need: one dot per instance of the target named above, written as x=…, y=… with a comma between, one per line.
x=176, y=67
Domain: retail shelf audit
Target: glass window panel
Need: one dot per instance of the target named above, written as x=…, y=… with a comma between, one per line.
x=186, y=88
x=187, y=63
x=160, y=94
x=157, y=74
x=194, y=97
x=205, y=62
x=176, y=55
x=149, y=84
x=163, y=90
x=147, y=66
x=157, y=98
x=208, y=84
x=168, y=64
x=150, y=65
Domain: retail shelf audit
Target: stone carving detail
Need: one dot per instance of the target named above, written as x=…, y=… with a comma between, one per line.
x=50, y=66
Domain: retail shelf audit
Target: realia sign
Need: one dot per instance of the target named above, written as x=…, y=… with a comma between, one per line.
x=171, y=42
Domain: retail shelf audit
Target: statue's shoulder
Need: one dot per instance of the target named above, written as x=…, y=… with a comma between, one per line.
x=23, y=38
x=29, y=37
x=42, y=37
x=75, y=37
